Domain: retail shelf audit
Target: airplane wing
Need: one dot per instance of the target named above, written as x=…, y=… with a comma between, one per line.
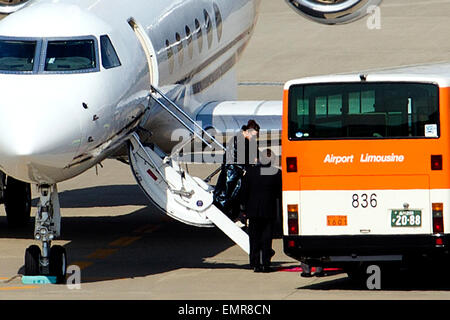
x=216, y=122
x=230, y=116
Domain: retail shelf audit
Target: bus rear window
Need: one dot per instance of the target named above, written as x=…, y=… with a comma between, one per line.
x=17, y=56
x=363, y=110
x=72, y=55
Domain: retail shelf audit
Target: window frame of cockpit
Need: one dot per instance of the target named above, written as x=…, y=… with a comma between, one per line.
x=43, y=55
x=37, y=55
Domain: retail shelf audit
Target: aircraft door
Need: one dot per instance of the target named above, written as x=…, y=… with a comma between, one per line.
x=149, y=51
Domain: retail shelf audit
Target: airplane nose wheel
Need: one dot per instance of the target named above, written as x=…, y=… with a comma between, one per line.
x=52, y=260
x=58, y=263
x=32, y=260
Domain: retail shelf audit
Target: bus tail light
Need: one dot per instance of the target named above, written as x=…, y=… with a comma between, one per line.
x=436, y=162
x=293, y=219
x=438, y=218
x=291, y=164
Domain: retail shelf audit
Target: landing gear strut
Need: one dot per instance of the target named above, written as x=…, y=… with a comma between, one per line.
x=51, y=260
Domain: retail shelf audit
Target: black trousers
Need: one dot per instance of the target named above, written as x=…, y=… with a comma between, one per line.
x=260, y=234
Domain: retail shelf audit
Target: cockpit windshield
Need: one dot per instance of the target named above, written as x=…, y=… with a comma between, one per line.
x=17, y=55
x=70, y=55
x=56, y=55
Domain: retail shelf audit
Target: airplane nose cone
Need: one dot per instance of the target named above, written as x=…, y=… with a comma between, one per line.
x=35, y=146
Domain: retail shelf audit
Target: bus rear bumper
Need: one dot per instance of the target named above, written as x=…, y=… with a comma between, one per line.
x=336, y=250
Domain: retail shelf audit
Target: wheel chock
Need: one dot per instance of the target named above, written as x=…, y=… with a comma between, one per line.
x=39, y=280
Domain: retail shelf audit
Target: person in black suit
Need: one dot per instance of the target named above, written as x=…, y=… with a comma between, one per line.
x=241, y=150
x=261, y=187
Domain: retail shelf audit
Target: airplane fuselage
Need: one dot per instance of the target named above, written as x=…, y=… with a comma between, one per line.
x=61, y=115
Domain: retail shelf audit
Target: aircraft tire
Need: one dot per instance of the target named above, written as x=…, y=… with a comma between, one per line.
x=32, y=260
x=17, y=202
x=58, y=263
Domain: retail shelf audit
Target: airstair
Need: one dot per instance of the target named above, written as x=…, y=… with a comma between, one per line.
x=179, y=195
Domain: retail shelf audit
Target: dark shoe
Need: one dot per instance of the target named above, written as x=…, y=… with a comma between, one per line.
x=252, y=266
x=258, y=269
x=267, y=269
x=306, y=274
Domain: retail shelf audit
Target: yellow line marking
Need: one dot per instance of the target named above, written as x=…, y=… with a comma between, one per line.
x=141, y=229
x=147, y=228
x=18, y=288
x=124, y=241
x=101, y=253
x=121, y=242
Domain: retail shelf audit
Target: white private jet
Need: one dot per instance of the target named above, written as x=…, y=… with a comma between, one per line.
x=84, y=80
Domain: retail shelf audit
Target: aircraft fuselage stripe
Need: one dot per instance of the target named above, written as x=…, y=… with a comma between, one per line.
x=215, y=75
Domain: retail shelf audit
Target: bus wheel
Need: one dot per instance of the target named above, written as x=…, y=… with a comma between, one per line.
x=17, y=202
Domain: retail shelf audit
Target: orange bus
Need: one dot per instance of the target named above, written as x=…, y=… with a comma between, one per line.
x=366, y=164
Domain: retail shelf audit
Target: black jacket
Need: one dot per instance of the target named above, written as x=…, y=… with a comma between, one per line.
x=240, y=150
x=261, y=187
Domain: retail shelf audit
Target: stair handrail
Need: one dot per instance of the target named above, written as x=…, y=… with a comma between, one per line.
x=187, y=117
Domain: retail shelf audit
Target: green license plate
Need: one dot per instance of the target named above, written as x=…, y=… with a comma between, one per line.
x=406, y=218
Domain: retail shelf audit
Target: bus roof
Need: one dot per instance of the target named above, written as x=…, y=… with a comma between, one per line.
x=428, y=73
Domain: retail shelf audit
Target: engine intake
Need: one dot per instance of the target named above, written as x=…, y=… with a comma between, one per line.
x=333, y=11
x=10, y=6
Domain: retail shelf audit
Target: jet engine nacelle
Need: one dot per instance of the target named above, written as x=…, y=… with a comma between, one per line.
x=13, y=6
x=333, y=11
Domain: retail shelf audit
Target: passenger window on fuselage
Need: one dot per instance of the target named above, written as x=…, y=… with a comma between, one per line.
x=208, y=25
x=170, y=56
x=179, y=48
x=199, y=33
x=189, y=42
x=109, y=55
x=70, y=55
x=218, y=18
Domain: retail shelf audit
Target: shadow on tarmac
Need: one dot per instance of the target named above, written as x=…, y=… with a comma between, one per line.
x=101, y=196
x=113, y=247
x=142, y=243
x=426, y=278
